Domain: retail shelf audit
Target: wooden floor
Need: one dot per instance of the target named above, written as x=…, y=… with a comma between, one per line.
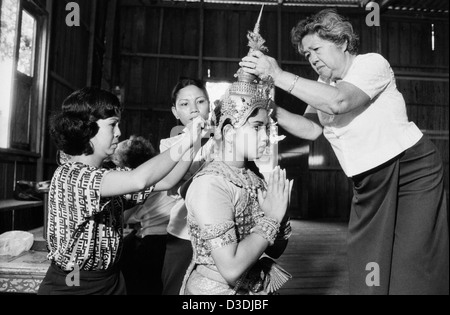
x=316, y=259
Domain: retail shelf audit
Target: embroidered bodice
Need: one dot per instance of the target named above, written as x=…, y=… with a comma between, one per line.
x=246, y=211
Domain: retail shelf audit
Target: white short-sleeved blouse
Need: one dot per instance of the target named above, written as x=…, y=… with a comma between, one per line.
x=371, y=135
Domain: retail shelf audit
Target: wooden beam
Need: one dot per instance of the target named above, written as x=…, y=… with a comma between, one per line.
x=91, y=49
x=163, y=56
x=44, y=60
x=18, y=155
x=107, y=75
x=186, y=57
x=279, y=30
x=379, y=40
x=13, y=204
x=437, y=134
x=384, y=4
x=421, y=76
x=160, y=36
x=400, y=74
x=201, y=38
x=63, y=81
x=255, y=6
x=15, y=61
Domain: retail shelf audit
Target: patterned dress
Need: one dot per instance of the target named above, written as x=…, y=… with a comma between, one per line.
x=231, y=189
x=84, y=229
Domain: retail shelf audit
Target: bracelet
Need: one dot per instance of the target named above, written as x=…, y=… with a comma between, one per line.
x=267, y=228
x=293, y=84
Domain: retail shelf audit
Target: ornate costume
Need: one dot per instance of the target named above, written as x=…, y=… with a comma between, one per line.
x=229, y=196
x=230, y=189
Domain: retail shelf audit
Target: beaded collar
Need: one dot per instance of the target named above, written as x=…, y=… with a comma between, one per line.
x=248, y=182
x=240, y=177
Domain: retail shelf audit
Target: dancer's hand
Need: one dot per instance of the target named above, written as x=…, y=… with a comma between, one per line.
x=275, y=200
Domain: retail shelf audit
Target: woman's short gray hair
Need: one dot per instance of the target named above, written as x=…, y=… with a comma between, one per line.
x=328, y=25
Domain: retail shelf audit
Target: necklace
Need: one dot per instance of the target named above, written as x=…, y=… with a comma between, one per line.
x=247, y=182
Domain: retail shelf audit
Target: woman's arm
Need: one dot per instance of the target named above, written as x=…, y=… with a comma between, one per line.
x=233, y=261
x=298, y=125
x=333, y=100
x=175, y=178
x=177, y=174
x=152, y=171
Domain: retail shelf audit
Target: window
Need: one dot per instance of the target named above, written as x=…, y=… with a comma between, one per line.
x=21, y=49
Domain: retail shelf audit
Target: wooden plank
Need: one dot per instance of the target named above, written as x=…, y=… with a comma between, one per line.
x=421, y=77
x=441, y=31
x=279, y=31
x=201, y=41
x=13, y=204
x=316, y=258
x=91, y=47
x=160, y=35
x=63, y=81
x=107, y=73
x=18, y=155
x=43, y=92
x=163, y=56
x=393, y=40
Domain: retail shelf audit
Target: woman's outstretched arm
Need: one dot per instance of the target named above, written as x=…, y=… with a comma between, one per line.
x=151, y=172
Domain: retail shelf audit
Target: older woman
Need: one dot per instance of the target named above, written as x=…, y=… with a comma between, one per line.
x=398, y=229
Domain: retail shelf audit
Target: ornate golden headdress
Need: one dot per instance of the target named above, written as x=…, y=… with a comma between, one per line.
x=247, y=93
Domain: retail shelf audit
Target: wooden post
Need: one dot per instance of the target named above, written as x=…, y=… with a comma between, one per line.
x=43, y=94
x=158, y=59
x=279, y=30
x=201, y=39
x=110, y=27
x=91, y=43
x=379, y=42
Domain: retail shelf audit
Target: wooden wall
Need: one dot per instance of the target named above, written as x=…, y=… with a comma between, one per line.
x=76, y=59
x=422, y=74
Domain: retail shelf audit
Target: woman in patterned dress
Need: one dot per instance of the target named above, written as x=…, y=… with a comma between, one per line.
x=85, y=208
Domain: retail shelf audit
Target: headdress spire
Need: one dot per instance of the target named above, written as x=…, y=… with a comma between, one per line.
x=255, y=40
x=248, y=92
x=258, y=23
x=246, y=95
